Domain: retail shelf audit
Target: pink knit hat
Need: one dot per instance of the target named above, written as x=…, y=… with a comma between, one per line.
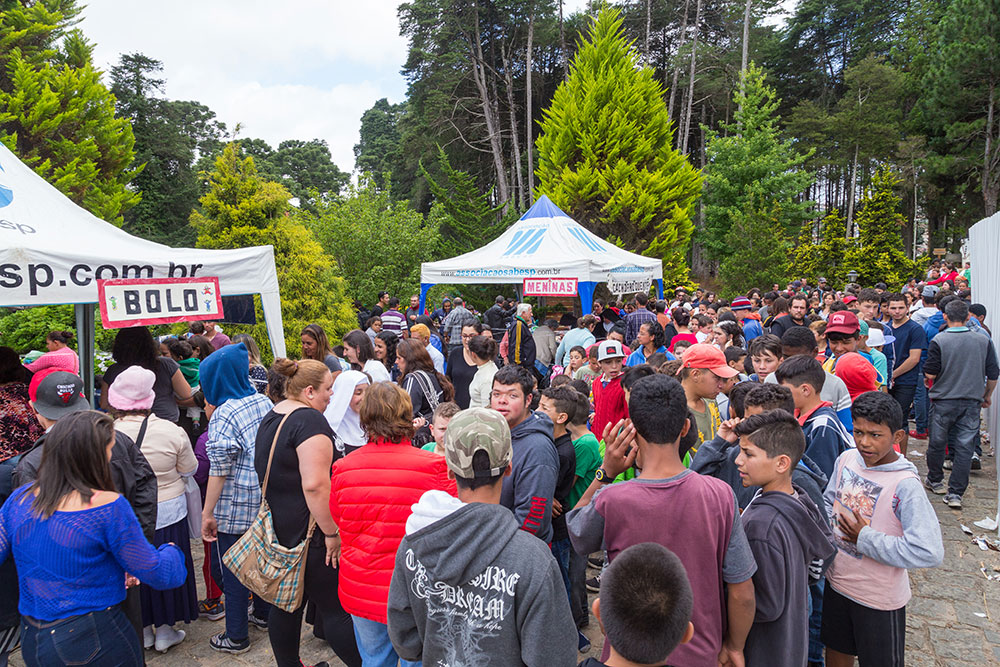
x=132, y=389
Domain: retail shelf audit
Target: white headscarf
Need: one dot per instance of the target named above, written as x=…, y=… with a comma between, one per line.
x=346, y=423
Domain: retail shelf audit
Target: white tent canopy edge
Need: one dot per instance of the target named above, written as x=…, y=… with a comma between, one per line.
x=544, y=243
x=52, y=251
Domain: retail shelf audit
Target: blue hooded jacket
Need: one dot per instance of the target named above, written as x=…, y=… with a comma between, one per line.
x=225, y=374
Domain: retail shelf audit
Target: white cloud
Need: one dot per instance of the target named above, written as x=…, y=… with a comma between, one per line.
x=299, y=69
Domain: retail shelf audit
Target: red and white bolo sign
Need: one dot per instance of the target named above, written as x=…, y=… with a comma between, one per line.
x=550, y=287
x=144, y=301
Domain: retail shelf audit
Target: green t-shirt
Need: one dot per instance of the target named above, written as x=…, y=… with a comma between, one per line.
x=588, y=460
x=628, y=474
x=708, y=422
x=429, y=447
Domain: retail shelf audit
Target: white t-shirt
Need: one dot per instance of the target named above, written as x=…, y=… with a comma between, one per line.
x=377, y=371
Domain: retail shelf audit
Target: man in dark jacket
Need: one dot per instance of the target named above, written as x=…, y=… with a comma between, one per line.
x=520, y=343
x=529, y=490
x=464, y=566
x=58, y=394
x=796, y=316
x=495, y=318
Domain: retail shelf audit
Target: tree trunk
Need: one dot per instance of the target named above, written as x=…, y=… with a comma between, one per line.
x=562, y=42
x=991, y=158
x=850, y=193
x=529, y=125
x=691, y=73
x=489, y=112
x=649, y=25
x=746, y=48
x=509, y=84
x=677, y=65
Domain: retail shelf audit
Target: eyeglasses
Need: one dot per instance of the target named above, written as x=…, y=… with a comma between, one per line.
x=468, y=336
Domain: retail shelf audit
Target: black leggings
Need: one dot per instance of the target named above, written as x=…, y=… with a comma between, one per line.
x=284, y=628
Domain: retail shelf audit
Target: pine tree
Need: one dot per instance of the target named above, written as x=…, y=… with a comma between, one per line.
x=750, y=168
x=241, y=209
x=763, y=248
x=605, y=151
x=878, y=255
x=825, y=258
x=466, y=219
x=56, y=115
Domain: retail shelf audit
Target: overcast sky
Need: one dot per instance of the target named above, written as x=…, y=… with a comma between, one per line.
x=298, y=69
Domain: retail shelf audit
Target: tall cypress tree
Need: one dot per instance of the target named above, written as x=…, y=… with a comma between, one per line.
x=751, y=169
x=605, y=152
x=55, y=113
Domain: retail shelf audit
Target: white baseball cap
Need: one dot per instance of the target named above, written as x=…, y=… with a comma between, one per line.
x=610, y=349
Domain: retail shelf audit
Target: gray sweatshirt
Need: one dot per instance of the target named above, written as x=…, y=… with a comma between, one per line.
x=469, y=588
x=960, y=359
x=529, y=489
x=920, y=544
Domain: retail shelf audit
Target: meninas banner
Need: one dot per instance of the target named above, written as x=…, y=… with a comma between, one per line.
x=141, y=302
x=550, y=287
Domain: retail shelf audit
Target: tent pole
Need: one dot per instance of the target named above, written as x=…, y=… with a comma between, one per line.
x=85, y=334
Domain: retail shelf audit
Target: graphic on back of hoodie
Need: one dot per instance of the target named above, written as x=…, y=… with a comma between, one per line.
x=462, y=617
x=854, y=492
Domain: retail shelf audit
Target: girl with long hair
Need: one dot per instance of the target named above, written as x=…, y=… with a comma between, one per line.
x=73, y=538
x=385, y=351
x=426, y=387
x=134, y=346
x=316, y=346
x=360, y=354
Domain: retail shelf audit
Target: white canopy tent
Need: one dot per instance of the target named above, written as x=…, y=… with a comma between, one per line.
x=984, y=248
x=545, y=243
x=53, y=251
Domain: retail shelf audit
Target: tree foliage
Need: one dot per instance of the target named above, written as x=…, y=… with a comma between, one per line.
x=241, y=209
x=378, y=243
x=56, y=114
x=377, y=152
x=170, y=138
x=304, y=168
x=823, y=257
x=762, y=247
x=752, y=173
x=605, y=152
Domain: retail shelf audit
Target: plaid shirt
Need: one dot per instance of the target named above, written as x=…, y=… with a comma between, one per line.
x=634, y=321
x=453, y=323
x=232, y=439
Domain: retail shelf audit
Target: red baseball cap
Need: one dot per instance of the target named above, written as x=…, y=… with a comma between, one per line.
x=849, y=299
x=703, y=355
x=843, y=321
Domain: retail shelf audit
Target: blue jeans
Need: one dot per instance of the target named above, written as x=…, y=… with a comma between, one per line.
x=921, y=404
x=374, y=645
x=816, y=621
x=237, y=595
x=561, y=549
x=955, y=423
x=99, y=638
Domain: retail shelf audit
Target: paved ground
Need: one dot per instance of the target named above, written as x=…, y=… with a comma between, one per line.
x=953, y=619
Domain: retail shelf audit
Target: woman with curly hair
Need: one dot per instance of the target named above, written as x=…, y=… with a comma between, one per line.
x=385, y=351
x=651, y=341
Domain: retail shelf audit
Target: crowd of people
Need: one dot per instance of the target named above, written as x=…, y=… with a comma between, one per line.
x=734, y=474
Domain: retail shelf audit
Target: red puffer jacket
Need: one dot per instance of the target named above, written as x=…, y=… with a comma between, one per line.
x=371, y=493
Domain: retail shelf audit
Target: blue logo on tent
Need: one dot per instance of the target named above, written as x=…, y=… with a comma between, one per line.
x=581, y=236
x=6, y=194
x=525, y=242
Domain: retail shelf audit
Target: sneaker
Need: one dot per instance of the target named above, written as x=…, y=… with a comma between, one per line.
x=596, y=561
x=582, y=643
x=953, y=500
x=258, y=622
x=918, y=435
x=213, y=609
x=221, y=642
x=935, y=487
x=148, y=638
x=976, y=463
x=947, y=464
x=594, y=584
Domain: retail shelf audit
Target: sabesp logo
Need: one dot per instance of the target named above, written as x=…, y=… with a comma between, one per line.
x=6, y=194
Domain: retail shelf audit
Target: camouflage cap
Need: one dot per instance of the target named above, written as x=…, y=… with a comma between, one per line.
x=474, y=429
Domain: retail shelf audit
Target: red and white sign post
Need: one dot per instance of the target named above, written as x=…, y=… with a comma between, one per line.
x=145, y=301
x=550, y=287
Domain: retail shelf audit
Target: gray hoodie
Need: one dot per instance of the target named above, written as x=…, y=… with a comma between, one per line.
x=785, y=533
x=471, y=590
x=529, y=489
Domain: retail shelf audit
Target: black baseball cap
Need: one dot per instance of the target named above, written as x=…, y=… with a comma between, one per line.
x=57, y=394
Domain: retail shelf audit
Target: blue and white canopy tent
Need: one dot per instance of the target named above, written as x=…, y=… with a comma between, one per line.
x=546, y=243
